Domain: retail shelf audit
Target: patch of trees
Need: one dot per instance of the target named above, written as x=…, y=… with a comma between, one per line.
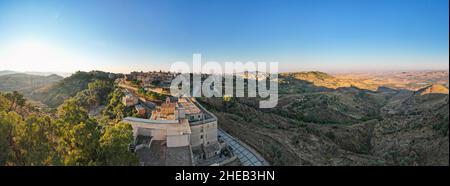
x=136, y=82
x=95, y=95
x=56, y=94
x=115, y=109
x=150, y=95
x=70, y=138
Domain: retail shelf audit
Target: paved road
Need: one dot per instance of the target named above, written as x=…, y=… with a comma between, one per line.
x=247, y=156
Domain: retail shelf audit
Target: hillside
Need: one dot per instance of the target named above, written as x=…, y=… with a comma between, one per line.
x=316, y=121
x=412, y=81
x=26, y=83
x=70, y=137
x=6, y=72
x=414, y=131
x=317, y=125
x=433, y=89
x=321, y=79
x=55, y=94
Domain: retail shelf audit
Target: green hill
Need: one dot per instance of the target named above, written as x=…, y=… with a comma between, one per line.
x=55, y=94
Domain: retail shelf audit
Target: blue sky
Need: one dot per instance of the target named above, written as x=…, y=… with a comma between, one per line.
x=327, y=35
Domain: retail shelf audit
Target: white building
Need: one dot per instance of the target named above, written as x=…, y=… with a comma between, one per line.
x=129, y=99
x=181, y=124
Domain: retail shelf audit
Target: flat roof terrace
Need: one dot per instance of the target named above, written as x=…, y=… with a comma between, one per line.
x=172, y=127
x=160, y=155
x=188, y=106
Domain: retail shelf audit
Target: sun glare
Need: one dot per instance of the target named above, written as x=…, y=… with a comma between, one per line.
x=37, y=56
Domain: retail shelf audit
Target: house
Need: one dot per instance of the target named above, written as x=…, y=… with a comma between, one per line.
x=182, y=124
x=129, y=99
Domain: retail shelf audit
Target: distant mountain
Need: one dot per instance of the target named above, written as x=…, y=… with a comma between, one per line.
x=433, y=89
x=52, y=89
x=409, y=80
x=373, y=81
x=54, y=94
x=322, y=79
x=6, y=72
x=62, y=74
x=26, y=83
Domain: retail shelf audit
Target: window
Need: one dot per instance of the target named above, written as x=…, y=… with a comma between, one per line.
x=201, y=136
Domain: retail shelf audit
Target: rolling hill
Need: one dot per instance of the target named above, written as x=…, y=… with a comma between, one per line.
x=324, y=124
x=26, y=83
x=6, y=72
x=51, y=90
x=319, y=119
x=53, y=95
x=433, y=89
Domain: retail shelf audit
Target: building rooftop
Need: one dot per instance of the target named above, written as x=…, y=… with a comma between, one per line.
x=149, y=121
x=160, y=155
x=189, y=107
x=172, y=127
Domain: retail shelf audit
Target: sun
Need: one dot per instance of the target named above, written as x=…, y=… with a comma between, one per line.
x=36, y=55
x=32, y=50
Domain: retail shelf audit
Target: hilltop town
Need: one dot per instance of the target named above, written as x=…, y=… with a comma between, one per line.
x=174, y=130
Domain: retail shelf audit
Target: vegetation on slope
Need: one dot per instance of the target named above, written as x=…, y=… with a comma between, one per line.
x=344, y=126
x=71, y=137
x=54, y=95
x=26, y=83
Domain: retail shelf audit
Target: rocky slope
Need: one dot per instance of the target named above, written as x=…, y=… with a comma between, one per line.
x=315, y=125
x=433, y=89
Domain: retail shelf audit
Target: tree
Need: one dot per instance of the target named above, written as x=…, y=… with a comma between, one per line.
x=69, y=138
x=5, y=104
x=141, y=91
x=228, y=102
x=114, y=108
x=8, y=146
x=156, y=82
x=150, y=95
x=79, y=144
x=16, y=99
x=79, y=135
x=70, y=112
x=35, y=141
x=114, y=145
x=136, y=82
x=6, y=123
x=99, y=91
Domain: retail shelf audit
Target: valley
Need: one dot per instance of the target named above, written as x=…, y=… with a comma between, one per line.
x=320, y=119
